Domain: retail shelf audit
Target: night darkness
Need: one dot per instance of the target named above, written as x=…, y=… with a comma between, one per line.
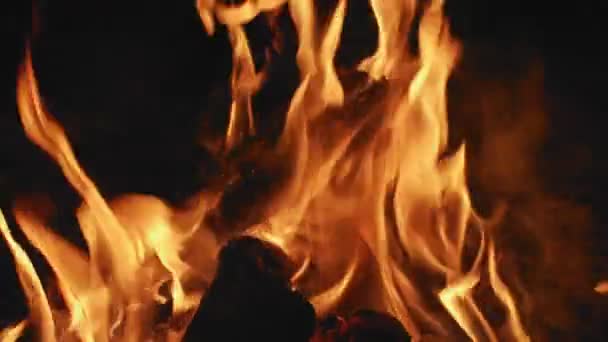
x=140, y=88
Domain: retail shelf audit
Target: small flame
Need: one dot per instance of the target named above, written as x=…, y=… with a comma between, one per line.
x=245, y=82
x=602, y=287
x=11, y=334
x=394, y=18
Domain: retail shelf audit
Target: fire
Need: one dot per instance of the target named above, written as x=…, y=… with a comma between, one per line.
x=602, y=287
x=371, y=191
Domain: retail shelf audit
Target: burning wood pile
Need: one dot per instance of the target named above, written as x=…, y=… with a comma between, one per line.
x=364, y=230
x=252, y=298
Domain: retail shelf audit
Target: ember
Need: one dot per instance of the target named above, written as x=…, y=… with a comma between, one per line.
x=363, y=326
x=251, y=298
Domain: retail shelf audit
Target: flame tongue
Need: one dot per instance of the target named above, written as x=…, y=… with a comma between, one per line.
x=134, y=246
x=365, y=193
x=47, y=134
x=394, y=18
x=40, y=310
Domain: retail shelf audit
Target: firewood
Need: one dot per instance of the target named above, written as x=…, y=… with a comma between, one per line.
x=251, y=298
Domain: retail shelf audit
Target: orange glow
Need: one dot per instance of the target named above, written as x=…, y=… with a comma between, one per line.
x=375, y=193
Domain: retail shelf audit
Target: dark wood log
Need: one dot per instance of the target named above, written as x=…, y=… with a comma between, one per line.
x=251, y=298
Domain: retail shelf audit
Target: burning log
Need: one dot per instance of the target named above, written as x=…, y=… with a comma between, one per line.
x=251, y=298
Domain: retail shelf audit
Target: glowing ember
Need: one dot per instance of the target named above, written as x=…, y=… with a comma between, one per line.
x=375, y=193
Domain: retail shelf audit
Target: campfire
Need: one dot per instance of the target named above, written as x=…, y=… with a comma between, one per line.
x=365, y=229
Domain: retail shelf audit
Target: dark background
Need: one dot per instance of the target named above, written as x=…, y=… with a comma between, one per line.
x=133, y=83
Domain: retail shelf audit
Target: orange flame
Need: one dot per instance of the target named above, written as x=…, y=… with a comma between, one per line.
x=134, y=246
x=374, y=192
x=398, y=166
x=11, y=334
x=40, y=311
x=394, y=19
x=244, y=83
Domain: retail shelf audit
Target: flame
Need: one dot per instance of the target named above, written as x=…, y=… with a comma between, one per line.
x=11, y=334
x=134, y=246
x=394, y=18
x=40, y=311
x=341, y=185
x=502, y=291
x=602, y=287
x=245, y=82
x=371, y=191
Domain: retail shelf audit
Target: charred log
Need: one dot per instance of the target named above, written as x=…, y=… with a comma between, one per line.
x=251, y=298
